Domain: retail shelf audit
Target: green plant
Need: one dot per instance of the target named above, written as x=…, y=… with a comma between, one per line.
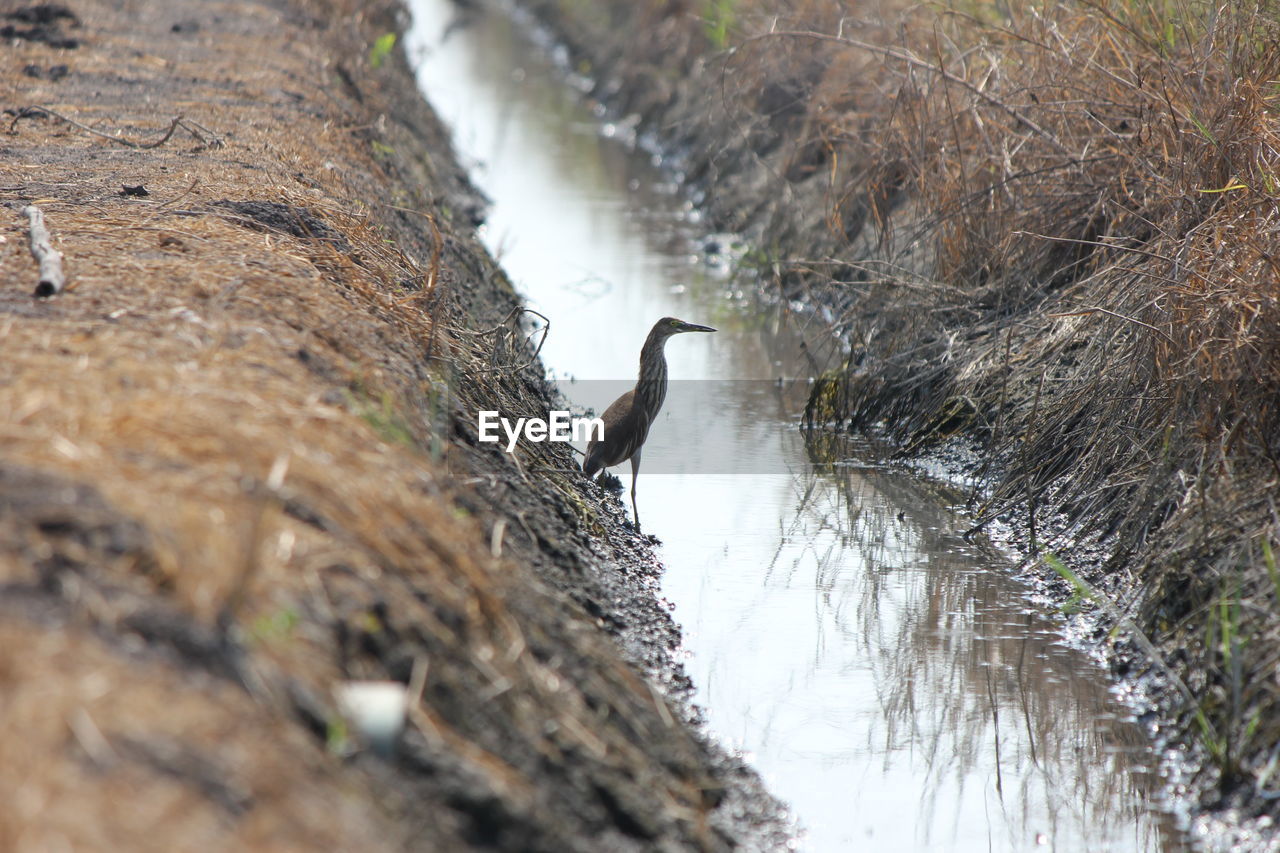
x=1223, y=746
x=1224, y=620
x=718, y=16
x=1269, y=558
x=383, y=415
x=381, y=49
x=337, y=739
x=1080, y=591
x=276, y=626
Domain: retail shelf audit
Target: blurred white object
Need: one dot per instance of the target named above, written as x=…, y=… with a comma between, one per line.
x=376, y=709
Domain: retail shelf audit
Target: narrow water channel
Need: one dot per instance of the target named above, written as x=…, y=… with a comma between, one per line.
x=890, y=681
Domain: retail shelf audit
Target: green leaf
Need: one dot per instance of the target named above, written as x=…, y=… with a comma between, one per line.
x=381, y=49
x=1270, y=558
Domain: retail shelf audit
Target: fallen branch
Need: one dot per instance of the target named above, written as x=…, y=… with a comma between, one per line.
x=191, y=127
x=52, y=279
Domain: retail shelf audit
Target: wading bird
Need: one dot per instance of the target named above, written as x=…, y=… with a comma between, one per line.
x=627, y=420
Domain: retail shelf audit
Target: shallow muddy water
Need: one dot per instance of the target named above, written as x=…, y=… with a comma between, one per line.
x=890, y=681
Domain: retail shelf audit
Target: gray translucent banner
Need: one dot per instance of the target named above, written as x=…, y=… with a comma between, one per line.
x=720, y=427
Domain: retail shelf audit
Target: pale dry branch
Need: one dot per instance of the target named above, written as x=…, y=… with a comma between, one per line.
x=52, y=279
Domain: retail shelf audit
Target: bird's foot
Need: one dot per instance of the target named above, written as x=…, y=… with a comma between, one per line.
x=647, y=537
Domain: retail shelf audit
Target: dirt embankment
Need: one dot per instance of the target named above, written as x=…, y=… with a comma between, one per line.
x=1048, y=237
x=238, y=467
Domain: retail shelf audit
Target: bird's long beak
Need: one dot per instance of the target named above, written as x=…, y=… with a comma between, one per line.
x=694, y=327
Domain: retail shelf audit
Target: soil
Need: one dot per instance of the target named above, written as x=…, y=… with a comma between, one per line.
x=239, y=468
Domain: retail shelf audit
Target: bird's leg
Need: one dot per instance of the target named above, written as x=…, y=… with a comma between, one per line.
x=635, y=475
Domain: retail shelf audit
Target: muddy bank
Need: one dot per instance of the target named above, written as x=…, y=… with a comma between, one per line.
x=240, y=468
x=1049, y=265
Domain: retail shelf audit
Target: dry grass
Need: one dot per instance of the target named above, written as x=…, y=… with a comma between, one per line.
x=120, y=755
x=1106, y=316
x=1101, y=307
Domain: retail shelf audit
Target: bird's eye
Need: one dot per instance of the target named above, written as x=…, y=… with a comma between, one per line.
x=674, y=323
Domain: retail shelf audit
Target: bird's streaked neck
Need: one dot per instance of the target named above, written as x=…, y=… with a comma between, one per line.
x=651, y=386
x=654, y=349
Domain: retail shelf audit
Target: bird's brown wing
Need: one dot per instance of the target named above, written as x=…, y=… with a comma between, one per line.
x=624, y=430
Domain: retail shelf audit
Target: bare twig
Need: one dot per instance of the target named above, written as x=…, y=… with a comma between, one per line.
x=188, y=191
x=1099, y=243
x=90, y=738
x=52, y=280
x=194, y=128
x=1118, y=316
x=502, y=329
